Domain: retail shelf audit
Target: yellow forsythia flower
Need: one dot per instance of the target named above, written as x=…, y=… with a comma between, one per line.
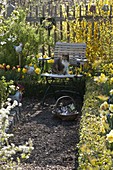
x=24, y=70
x=110, y=136
x=37, y=70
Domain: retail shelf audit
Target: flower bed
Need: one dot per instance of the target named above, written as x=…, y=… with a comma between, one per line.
x=93, y=150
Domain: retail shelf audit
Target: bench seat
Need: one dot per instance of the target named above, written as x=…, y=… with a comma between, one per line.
x=76, y=51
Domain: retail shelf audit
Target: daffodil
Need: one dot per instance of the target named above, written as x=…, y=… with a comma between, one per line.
x=111, y=80
x=111, y=92
x=110, y=136
x=102, y=78
x=104, y=106
x=111, y=107
x=37, y=70
x=111, y=65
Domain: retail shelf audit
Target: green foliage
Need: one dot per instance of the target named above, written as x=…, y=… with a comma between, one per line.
x=14, y=30
x=9, y=159
x=93, y=152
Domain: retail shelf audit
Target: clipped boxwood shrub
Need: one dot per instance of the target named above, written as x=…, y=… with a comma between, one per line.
x=93, y=152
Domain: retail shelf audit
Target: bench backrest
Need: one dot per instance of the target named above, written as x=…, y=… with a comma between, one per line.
x=76, y=51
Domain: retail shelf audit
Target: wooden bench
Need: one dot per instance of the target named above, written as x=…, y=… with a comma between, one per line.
x=76, y=51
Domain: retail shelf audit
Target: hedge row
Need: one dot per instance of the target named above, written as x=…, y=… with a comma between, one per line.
x=93, y=151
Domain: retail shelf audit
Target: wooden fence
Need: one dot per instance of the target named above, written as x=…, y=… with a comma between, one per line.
x=56, y=13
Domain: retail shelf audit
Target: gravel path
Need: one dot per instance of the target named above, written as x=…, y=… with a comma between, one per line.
x=54, y=140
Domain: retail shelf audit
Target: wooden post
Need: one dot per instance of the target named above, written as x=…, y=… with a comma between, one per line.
x=55, y=35
x=68, y=30
x=20, y=64
x=61, y=22
x=43, y=15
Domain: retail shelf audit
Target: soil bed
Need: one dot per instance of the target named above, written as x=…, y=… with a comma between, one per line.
x=54, y=140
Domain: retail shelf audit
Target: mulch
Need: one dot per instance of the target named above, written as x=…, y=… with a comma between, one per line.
x=54, y=140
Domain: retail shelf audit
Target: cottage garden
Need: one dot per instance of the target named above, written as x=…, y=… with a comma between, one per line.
x=95, y=147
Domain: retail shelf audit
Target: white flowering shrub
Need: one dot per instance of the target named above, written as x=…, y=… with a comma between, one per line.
x=8, y=150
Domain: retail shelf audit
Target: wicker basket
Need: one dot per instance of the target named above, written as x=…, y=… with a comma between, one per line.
x=65, y=108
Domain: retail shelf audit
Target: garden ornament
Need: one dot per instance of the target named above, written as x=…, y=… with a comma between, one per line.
x=30, y=69
x=18, y=49
x=18, y=95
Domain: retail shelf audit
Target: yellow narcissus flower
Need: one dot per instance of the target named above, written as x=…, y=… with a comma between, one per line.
x=111, y=107
x=111, y=80
x=37, y=70
x=19, y=69
x=110, y=136
x=8, y=67
x=111, y=92
x=111, y=65
x=111, y=71
x=24, y=70
x=102, y=78
x=104, y=106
